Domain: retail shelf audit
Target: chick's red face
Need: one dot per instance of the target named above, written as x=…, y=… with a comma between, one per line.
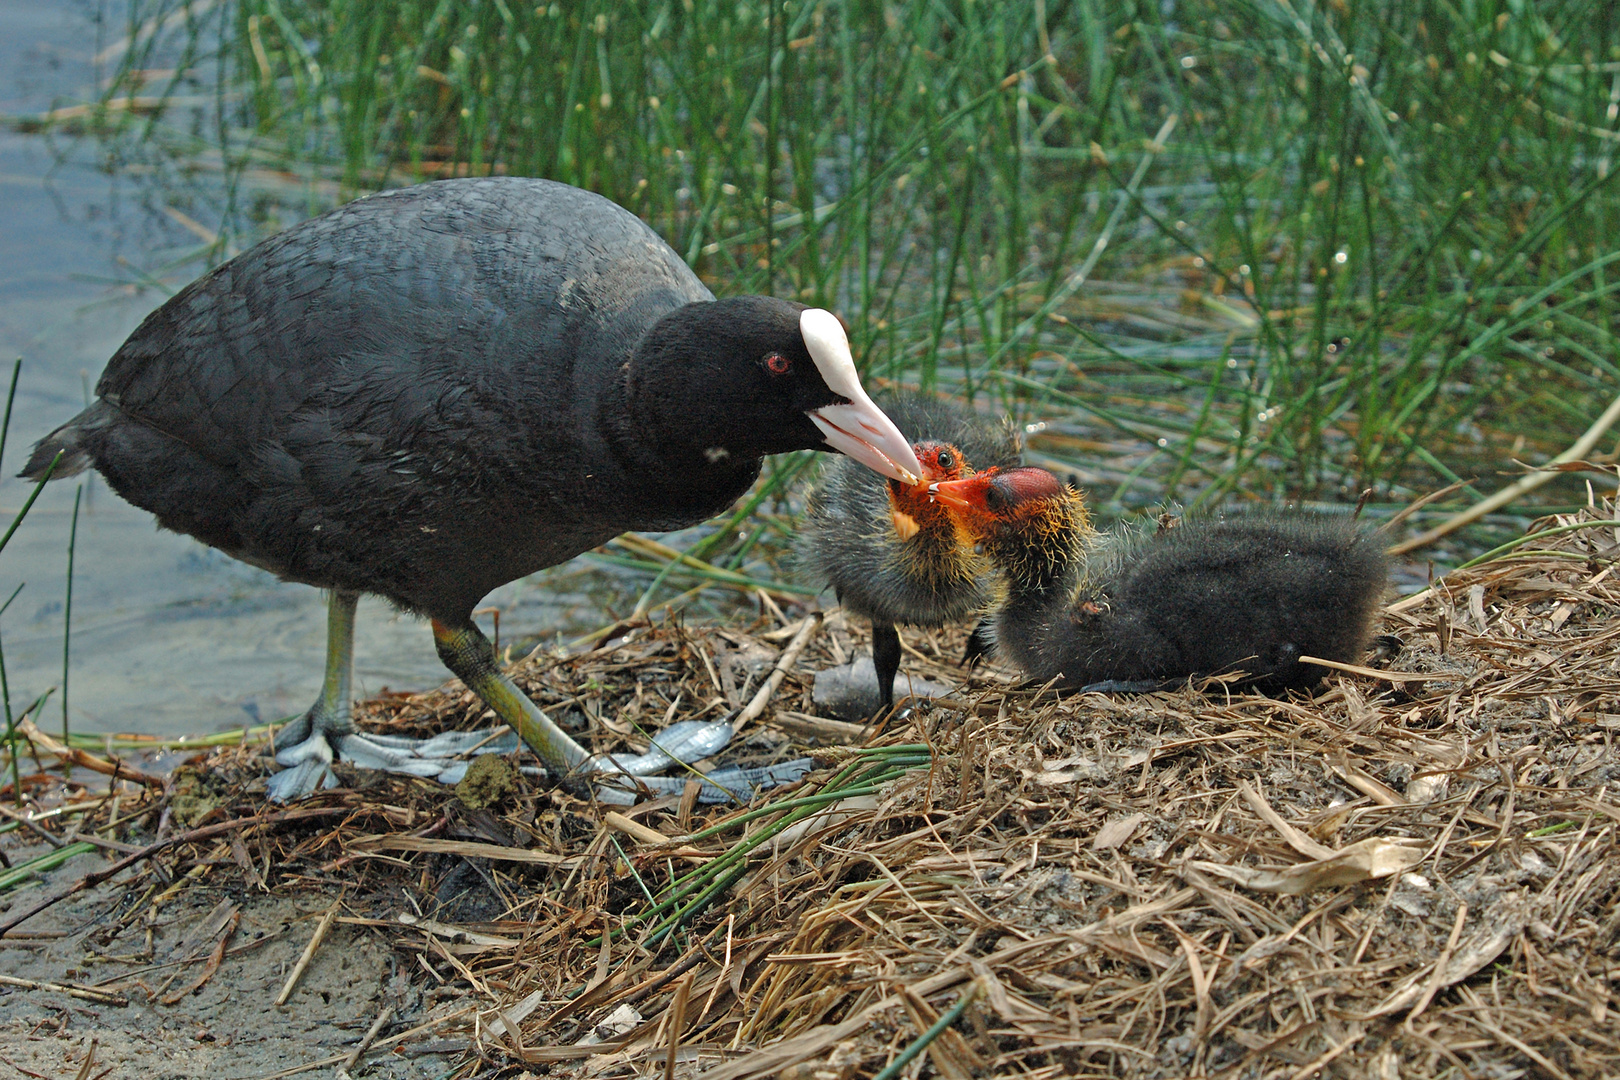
x=941, y=461
x=995, y=500
x=912, y=506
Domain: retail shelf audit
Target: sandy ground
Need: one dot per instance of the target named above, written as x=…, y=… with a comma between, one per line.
x=229, y=1027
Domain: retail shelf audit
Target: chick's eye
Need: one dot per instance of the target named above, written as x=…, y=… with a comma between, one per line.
x=946, y=461
x=778, y=364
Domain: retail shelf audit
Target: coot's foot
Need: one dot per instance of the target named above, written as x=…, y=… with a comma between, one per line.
x=310, y=775
x=851, y=691
x=308, y=745
x=307, y=763
x=467, y=652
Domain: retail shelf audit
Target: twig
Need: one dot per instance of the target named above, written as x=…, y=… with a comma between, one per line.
x=28, y=504
x=215, y=958
x=1310, y=1068
x=770, y=605
x=1296, y=839
x=1521, y=486
x=1412, y=508
x=1367, y=672
x=88, y=993
x=392, y=1040
x=789, y=657
x=648, y=835
x=309, y=952
x=1439, y=977
x=150, y=850
x=1523, y=1047
x=677, y=1019
x=83, y=757
x=11, y=397
x=67, y=622
x=89, y=1060
x=384, y=1018
x=34, y=827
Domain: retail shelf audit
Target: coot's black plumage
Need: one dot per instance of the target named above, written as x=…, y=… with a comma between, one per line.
x=430, y=392
x=1251, y=592
x=889, y=555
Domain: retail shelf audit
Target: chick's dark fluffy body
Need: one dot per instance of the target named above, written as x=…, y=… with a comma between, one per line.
x=1251, y=592
x=432, y=391
x=848, y=539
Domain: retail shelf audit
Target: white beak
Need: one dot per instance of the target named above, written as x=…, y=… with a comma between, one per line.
x=859, y=429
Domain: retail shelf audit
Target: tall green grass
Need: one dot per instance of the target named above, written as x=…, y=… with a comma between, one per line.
x=1262, y=246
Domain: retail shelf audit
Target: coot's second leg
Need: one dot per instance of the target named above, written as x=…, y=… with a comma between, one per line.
x=885, y=660
x=307, y=745
x=467, y=652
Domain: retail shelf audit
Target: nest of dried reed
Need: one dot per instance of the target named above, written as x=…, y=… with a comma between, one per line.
x=1412, y=874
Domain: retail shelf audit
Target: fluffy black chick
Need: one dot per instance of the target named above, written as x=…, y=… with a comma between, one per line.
x=1252, y=592
x=891, y=554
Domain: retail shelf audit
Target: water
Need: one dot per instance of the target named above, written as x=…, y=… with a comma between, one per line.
x=168, y=636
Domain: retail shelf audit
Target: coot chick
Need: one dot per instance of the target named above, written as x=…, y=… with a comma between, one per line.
x=891, y=554
x=430, y=392
x=1133, y=610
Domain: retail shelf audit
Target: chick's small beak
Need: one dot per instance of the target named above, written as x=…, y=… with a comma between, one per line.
x=952, y=493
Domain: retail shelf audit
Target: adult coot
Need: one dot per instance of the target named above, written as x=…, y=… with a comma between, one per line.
x=890, y=553
x=1251, y=592
x=430, y=392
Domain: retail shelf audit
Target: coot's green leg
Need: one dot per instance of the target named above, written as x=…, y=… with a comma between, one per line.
x=468, y=653
x=329, y=717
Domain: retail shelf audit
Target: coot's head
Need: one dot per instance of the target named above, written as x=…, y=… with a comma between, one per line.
x=740, y=378
x=1027, y=520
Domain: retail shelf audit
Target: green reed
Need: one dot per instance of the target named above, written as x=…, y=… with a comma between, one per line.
x=1271, y=246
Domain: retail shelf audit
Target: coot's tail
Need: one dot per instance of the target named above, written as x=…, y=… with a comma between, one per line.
x=67, y=440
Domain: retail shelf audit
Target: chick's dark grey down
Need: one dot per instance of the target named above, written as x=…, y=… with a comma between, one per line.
x=1252, y=593
x=430, y=392
x=847, y=538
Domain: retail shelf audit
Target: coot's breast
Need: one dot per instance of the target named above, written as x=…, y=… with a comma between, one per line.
x=391, y=397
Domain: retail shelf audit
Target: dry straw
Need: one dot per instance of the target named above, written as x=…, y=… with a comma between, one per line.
x=1413, y=873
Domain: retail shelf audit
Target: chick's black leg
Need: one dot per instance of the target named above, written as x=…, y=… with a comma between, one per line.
x=885, y=660
x=467, y=652
x=980, y=644
x=308, y=744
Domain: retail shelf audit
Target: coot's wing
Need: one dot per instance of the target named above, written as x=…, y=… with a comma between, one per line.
x=384, y=314
x=394, y=389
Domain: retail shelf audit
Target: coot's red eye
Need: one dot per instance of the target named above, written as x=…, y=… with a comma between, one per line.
x=778, y=364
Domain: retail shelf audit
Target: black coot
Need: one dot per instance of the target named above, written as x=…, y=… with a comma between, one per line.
x=430, y=392
x=1252, y=592
x=889, y=552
